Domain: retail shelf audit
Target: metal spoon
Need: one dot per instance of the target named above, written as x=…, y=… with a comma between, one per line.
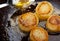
x=3, y=5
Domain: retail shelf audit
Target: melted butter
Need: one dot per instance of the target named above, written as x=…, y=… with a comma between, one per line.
x=21, y=4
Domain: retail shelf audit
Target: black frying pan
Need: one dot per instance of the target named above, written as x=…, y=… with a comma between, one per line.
x=7, y=33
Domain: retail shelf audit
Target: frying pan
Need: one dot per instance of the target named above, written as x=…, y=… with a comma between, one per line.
x=12, y=33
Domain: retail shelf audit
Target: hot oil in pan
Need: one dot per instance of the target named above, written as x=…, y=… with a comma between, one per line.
x=18, y=33
x=52, y=37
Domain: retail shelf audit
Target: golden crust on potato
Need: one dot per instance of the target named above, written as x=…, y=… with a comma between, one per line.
x=53, y=23
x=38, y=34
x=44, y=9
x=27, y=21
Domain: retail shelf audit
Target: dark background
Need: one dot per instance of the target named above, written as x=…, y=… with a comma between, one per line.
x=3, y=1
